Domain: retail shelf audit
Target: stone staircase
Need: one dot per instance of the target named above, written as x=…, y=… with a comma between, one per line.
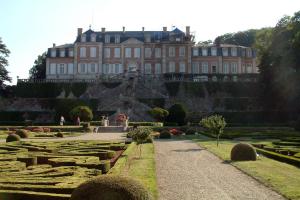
x=109, y=129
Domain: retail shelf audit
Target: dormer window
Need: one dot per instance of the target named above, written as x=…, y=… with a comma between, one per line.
x=147, y=38
x=225, y=51
x=249, y=53
x=93, y=38
x=53, y=53
x=213, y=51
x=107, y=39
x=62, y=53
x=83, y=38
x=71, y=53
x=117, y=38
x=204, y=51
x=233, y=51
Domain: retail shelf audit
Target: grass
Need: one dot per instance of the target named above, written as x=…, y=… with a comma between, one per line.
x=142, y=169
x=282, y=177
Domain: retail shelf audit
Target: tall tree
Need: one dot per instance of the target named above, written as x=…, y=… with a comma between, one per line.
x=242, y=38
x=38, y=70
x=4, y=53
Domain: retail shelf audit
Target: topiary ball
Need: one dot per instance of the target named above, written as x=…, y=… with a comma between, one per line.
x=22, y=133
x=60, y=134
x=13, y=137
x=165, y=134
x=243, y=152
x=111, y=187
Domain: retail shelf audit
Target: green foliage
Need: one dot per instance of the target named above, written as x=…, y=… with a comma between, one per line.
x=4, y=53
x=159, y=113
x=173, y=88
x=157, y=102
x=177, y=114
x=243, y=152
x=83, y=112
x=59, y=134
x=297, y=124
x=145, y=124
x=22, y=133
x=140, y=135
x=194, y=89
x=165, y=134
x=38, y=70
x=111, y=187
x=215, y=124
x=242, y=38
x=190, y=131
x=13, y=137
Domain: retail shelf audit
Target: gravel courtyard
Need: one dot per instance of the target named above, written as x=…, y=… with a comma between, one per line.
x=185, y=171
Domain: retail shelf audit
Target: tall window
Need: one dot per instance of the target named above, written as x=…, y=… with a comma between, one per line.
x=147, y=38
x=93, y=38
x=82, y=68
x=147, y=52
x=225, y=51
x=249, y=68
x=52, y=68
x=225, y=68
x=83, y=38
x=117, y=52
x=147, y=68
x=182, y=67
x=214, y=69
x=71, y=53
x=157, y=68
x=249, y=52
x=118, y=69
x=93, y=68
x=181, y=51
x=53, y=53
x=137, y=52
x=128, y=52
x=93, y=52
x=195, y=68
x=61, y=69
x=107, y=39
x=195, y=52
x=204, y=51
x=105, y=68
x=70, y=68
x=106, y=52
x=117, y=38
x=213, y=51
x=171, y=67
x=233, y=51
x=234, y=68
x=157, y=52
x=171, y=51
x=204, y=67
x=62, y=53
x=82, y=52
x=111, y=69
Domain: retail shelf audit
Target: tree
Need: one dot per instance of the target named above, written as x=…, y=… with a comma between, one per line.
x=215, y=124
x=242, y=38
x=38, y=70
x=83, y=112
x=140, y=136
x=159, y=114
x=4, y=53
x=177, y=114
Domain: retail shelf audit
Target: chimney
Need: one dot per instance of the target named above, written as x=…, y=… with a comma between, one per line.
x=103, y=30
x=79, y=31
x=123, y=29
x=164, y=28
x=187, y=30
x=54, y=45
x=143, y=29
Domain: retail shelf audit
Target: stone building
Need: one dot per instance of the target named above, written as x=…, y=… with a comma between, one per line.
x=117, y=53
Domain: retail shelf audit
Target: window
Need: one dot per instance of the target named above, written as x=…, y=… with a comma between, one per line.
x=118, y=69
x=157, y=52
x=70, y=68
x=243, y=68
x=61, y=69
x=249, y=68
x=171, y=67
x=105, y=68
x=111, y=69
x=106, y=52
x=171, y=51
x=52, y=68
x=195, y=52
x=117, y=38
x=233, y=51
x=93, y=52
x=147, y=38
x=83, y=38
x=213, y=51
x=204, y=67
x=82, y=52
x=195, y=68
x=243, y=52
x=82, y=68
x=128, y=52
x=147, y=52
x=157, y=68
x=249, y=53
x=181, y=67
x=62, y=53
x=53, y=53
x=137, y=52
x=71, y=53
x=93, y=38
x=225, y=68
x=107, y=39
x=117, y=52
x=233, y=68
x=147, y=68
x=181, y=51
x=225, y=51
x=204, y=51
x=93, y=68
x=214, y=69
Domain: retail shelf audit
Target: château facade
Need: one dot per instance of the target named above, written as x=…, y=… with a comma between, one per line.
x=146, y=53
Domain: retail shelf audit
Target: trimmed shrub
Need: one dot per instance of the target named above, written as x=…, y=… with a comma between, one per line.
x=177, y=114
x=46, y=130
x=37, y=129
x=83, y=112
x=175, y=131
x=165, y=134
x=159, y=114
x=85, y=125
x=22, y=133
x=13, y=137
x=111, y=187
x=243, y=152
x=190, y=131
x=59, y=134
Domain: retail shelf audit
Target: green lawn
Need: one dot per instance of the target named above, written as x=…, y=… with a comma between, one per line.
x=282, y=177
x=142, y=169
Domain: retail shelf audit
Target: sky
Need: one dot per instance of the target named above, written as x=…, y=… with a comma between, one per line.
x=30, y=27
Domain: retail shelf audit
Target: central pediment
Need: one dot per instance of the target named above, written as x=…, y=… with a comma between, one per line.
x=132, y=41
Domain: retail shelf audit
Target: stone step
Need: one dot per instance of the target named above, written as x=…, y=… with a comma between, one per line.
x=109, y=129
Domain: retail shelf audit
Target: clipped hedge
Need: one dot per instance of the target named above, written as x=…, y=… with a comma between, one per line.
x=243, y=152
x=145, y=124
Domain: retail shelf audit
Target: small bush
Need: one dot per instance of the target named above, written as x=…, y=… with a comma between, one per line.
x=22, y=133
x=177, y=114
x=83, y=112
x=175, y=132
x=37, y=129
x=13, y=137
x=243, y=152
x=46, y=130
x=111, y=187
x=165, y=134
x=59, y=134
x=85, y=125
x=190, y=131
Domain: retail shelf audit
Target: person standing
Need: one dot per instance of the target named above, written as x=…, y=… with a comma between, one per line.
x=62, y=120
x=78, y=121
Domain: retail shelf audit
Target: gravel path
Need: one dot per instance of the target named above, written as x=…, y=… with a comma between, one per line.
x=185, y=171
